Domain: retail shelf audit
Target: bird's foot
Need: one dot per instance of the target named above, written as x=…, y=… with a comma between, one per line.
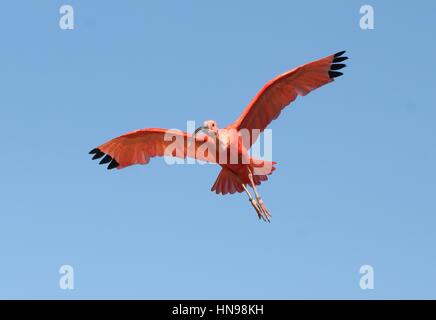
x=263, y=208
x=257, y=208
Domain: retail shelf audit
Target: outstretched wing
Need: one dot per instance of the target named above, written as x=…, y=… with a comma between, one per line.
x=139, y=146
x=282, y=90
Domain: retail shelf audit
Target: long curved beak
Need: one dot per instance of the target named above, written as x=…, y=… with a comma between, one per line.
x=198, y=130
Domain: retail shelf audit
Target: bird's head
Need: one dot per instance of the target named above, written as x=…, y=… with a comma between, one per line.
x=209, y=127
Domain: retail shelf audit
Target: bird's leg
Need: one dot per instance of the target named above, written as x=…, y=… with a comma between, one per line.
x=258, y=198
x=253, y=203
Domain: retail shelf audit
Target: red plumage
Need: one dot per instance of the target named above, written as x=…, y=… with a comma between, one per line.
x=139, y=146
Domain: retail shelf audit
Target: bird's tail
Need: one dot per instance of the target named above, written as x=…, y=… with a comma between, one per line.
x=227, y=182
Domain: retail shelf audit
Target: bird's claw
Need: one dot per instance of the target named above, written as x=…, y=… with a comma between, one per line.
x=263, y=208
x=262, y=212
x=257, y=208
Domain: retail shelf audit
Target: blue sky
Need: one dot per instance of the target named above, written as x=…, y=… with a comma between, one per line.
x=355, y=179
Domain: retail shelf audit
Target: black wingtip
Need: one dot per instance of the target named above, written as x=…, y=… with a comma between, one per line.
x=113, y=164
x=337, y=66
x=340, y=53
x=335, y=74
x=107, y=158
x=98, y=155
x=339, y=59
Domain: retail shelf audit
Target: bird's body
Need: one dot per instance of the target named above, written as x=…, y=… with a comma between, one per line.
x=237, y=163
x=228, y=147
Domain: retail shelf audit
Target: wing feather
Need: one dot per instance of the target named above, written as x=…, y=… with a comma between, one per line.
x=267, y=105
x=138, y=147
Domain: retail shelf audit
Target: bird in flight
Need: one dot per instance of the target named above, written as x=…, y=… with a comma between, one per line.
x=209, y=143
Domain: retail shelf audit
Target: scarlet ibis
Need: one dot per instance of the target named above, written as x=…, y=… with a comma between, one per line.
x=137, y=147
